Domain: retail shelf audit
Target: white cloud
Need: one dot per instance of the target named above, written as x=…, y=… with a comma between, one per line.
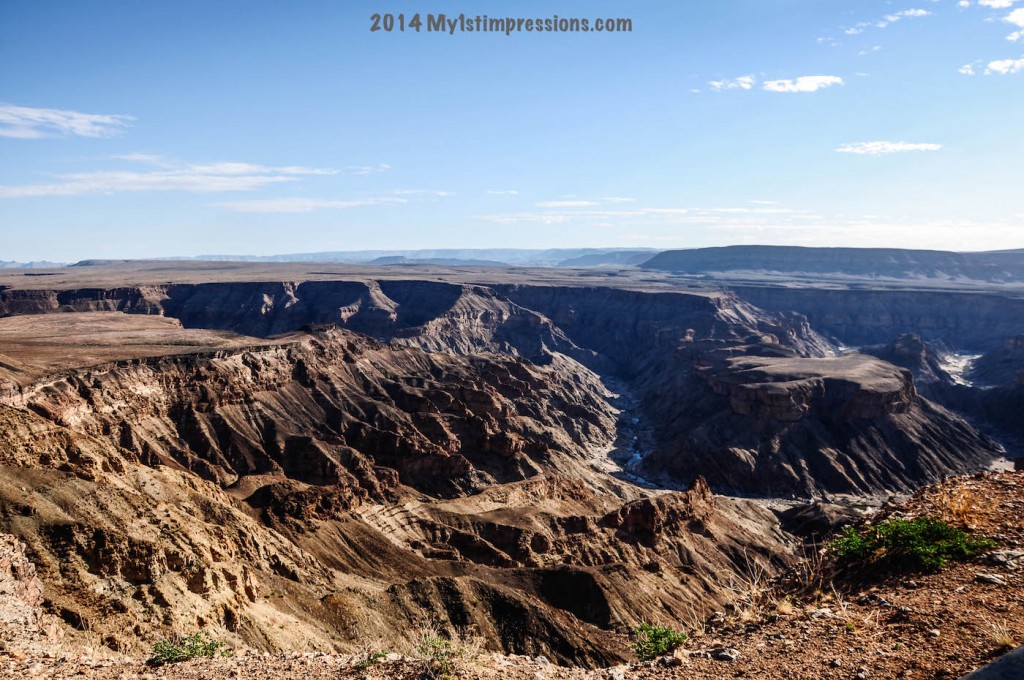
x=25, y=122
x=877, y=148
x=967, y=69
x=231, y=168
x=1005, y=66
x=368, y=169
x=1016, y=17
x=889, y=19
x=149, y=158
x=741, y=83
x=206, y=178
x=421, y=192
x=304, y=205
x=996, y=4
x=566, y=204
x=802, y=84
x=906, y=13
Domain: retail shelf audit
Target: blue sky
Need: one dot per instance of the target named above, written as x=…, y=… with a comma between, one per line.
x=141, y=129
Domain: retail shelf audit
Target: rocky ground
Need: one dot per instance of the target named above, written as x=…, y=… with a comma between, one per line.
x=914, y=625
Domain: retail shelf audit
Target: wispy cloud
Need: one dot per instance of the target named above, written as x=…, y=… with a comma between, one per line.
x=25, y=122
x=879, y=148
x=802, y=84
x=202, y=178
x=230, y=168
x=502, y=192
x=741, y=83
x=888, y=20
x=304, y=205
x=421, y=192
x=650, y=215
x=565, y=204
x=906, y=13
x=148, y=158
x=368, y=169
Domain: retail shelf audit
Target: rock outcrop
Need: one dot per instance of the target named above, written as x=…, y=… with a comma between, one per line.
x=922, y=359
x=1003, y=365
x=337, y=409
x=24, y=627
x=764, y=420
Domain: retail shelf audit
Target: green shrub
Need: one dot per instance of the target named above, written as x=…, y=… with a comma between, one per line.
x=183, y=648
x=371, y=659
x=924, y=543
x=439, y=653
x=651, y=642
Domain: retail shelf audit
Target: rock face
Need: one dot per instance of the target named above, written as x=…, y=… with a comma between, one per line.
x=18, y=582
x=446, y=316
x=817, y=522
x=132, y=551
x=966, y=320
x=336, y=409
x=922, y=359
x=651, y=520
x=784, y=424
x=24, y=627
x=1003, y=365
x=990, y=392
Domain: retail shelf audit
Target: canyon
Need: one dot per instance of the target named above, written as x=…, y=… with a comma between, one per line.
x=316, y=454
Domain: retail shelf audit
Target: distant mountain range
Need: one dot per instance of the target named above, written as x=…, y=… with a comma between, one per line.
x=554, y=257
x=769, y=263
x=478, y=257
x=1005, y=266
x=43, y=264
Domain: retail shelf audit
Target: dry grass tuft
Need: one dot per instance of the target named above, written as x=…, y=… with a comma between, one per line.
x=958, y=505
x=1001, y=636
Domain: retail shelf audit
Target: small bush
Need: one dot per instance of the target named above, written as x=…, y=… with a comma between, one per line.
x=371, y=659
x=651, y=642
x=184, y=648
x=924, y=543
x=439, y=654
